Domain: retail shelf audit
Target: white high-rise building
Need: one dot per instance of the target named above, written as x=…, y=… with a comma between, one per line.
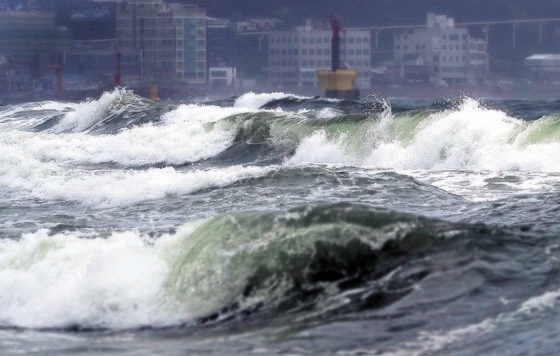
x=295, y=56
x=441, y=53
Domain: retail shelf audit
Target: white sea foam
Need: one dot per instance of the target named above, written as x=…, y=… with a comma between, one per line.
x=182, y=137
x=123, y=281
x=470, y=137
x=255, y=100
x=64, y=280
x=127, y=187
x=330, y=152
x=328, y=113
x=46, y=165
x=24, y=116
x=22, y=176
x=87, y=113
x=463, y=151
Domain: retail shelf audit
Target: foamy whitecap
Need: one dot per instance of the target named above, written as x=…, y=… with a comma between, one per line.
x=469, y=137
x=255, y=101
x=183, y=136
x=64, y=280
x=88, y=113
x=329, y=152
x=24, y=176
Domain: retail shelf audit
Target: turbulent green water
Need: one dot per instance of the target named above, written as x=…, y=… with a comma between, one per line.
x=278, y=224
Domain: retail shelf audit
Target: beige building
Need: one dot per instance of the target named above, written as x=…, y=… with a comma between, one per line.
x=171, y=36
x=295, y=56
x=448, y=54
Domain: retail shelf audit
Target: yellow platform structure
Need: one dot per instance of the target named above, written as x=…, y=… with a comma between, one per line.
x=339, y=83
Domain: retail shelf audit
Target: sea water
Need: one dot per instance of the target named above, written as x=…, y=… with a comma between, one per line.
x=279, y=224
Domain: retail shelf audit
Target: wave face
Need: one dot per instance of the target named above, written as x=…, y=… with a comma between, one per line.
x=120, y=126
x=319, y=260
x=279, y=223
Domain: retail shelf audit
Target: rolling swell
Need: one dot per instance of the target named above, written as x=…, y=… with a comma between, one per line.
x=334, y=259
x=270, y=138
x=113, y=112
x=293, y=103
x=383, y=138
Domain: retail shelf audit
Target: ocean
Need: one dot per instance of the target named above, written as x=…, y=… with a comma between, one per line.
x=280, y=224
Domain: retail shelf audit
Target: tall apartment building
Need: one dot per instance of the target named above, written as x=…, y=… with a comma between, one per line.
x=27, y=33
x=172, y=38
x=295, y=56
x=221, y=52
x=441, y=53
x=89, y=62
x=30, y=43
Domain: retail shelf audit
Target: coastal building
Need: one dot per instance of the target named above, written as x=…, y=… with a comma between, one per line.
x=294, y=56
x=94, y=63
x=221, y=53
x=257, y=24
x=441, y=53
x=171, y=36
x=26, y=33
x=546, y=67
x=31, y=44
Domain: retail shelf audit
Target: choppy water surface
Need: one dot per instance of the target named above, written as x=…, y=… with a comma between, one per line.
x=274, y=224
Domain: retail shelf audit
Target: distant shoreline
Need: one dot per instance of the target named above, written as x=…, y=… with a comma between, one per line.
x=401, y=91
